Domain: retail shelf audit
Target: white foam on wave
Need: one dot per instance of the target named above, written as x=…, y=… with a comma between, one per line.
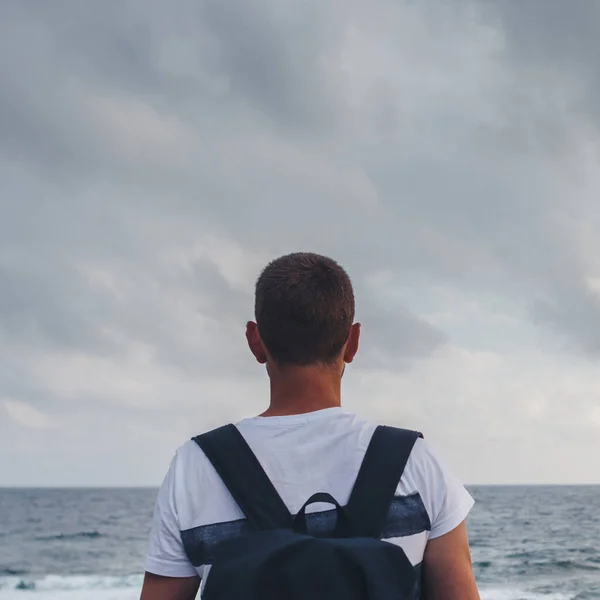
x=95, y=587
x=114, y=594
x=73, y=587
x=512, y=594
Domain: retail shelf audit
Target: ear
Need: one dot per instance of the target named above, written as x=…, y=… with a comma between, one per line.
x=255, y=343
x=351, y=347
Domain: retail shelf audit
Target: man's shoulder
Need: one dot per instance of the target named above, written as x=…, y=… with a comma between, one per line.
x=424, y=462
x=188, y=454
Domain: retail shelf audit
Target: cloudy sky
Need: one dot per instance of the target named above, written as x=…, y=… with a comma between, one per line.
x=154, y=156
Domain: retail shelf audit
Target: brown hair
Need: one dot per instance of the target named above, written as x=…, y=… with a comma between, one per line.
x=304, y=309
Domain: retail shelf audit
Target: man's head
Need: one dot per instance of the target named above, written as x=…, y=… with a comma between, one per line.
x=304, y=310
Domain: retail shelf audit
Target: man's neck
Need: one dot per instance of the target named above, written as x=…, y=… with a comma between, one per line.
x=300, y=390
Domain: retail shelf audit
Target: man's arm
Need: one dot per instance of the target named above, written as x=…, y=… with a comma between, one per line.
x=169, y=574
x=157, y=587
x=447, y=567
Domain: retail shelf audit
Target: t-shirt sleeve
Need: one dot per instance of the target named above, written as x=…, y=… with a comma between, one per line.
x=446, y=499
x=166, y=555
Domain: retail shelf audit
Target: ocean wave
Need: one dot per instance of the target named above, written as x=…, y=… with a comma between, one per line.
x=535, y=564
x=515, y=594
x=10, y=571
x=88, y=535
x=70, y=582
x=103, y=586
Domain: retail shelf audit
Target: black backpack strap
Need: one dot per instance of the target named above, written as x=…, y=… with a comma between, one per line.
x=378, y=478
x=246, y=480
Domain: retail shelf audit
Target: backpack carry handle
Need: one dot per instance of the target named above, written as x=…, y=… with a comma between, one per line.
x=342, y=523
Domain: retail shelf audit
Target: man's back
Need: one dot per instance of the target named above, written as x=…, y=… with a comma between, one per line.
x=305, y=336
x=319, y=451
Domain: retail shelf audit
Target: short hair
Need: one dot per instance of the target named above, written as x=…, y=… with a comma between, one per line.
x=304, y=309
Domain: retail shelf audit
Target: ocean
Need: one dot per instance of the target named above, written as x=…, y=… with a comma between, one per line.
x=528, y=543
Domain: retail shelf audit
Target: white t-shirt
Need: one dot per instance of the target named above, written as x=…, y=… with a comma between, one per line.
x=302, y=454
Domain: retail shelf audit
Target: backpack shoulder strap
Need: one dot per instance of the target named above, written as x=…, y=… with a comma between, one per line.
x=246, y=480
x=378, y=478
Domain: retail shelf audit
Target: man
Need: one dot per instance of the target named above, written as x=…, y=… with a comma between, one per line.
x=305, y=335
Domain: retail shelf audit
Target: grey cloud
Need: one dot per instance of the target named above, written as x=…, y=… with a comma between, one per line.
x=219, y=298
x=273, y=55
x=560, y=40
x=575, y=313
x=43, y=307
x=451, y=213
x=437, y=145
x=454, y=214
x=395, y=338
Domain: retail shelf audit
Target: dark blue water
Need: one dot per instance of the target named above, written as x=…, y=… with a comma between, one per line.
x=527, y=542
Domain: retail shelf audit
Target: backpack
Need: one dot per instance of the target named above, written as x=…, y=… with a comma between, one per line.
x=280, y=559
